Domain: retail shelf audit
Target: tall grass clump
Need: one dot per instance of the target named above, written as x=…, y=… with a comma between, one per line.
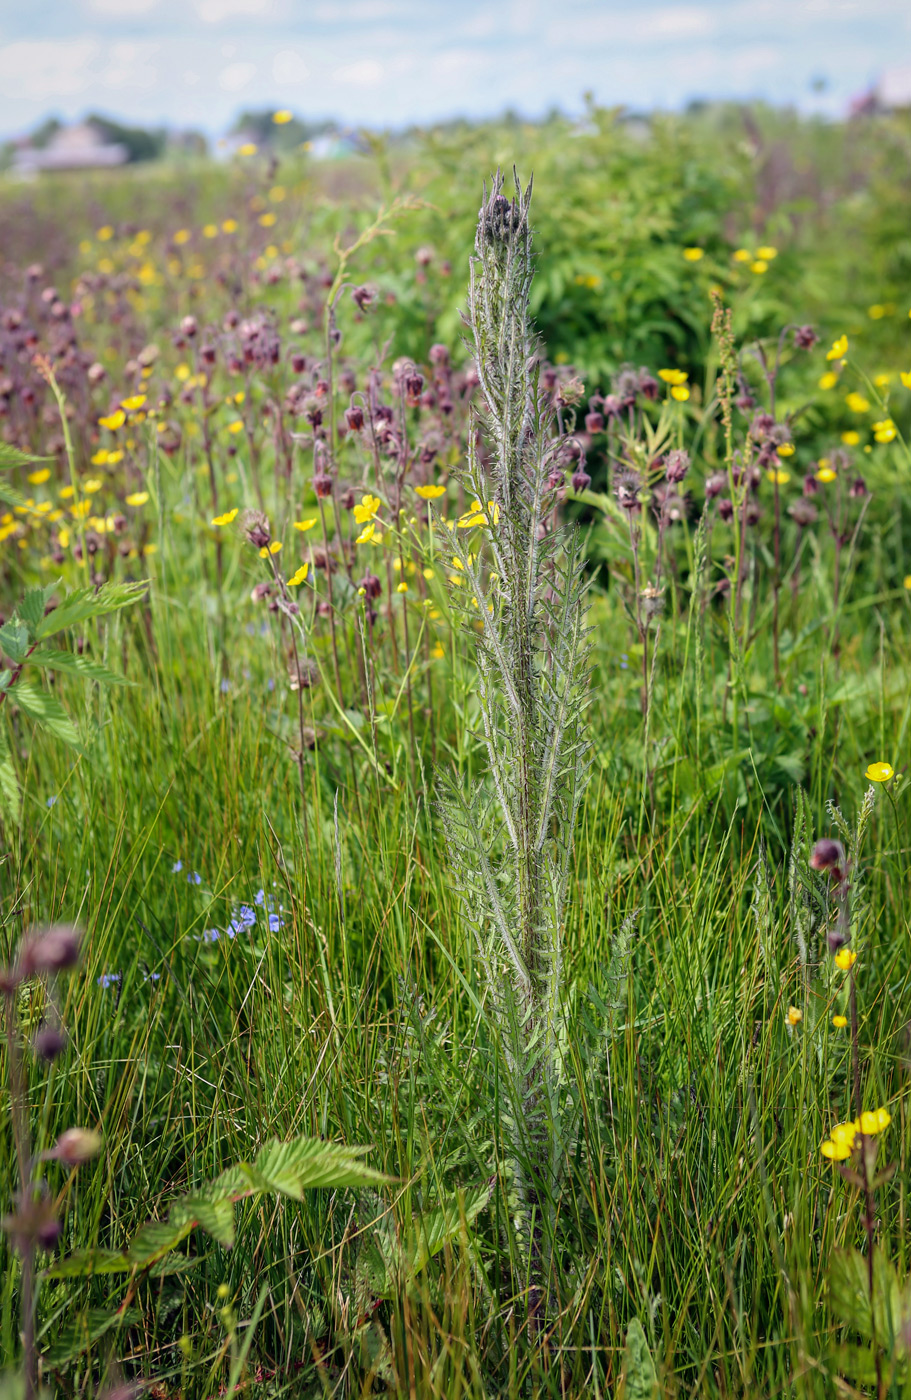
x=519, y=583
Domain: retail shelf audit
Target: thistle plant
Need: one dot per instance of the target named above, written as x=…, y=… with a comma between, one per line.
x=519, y=588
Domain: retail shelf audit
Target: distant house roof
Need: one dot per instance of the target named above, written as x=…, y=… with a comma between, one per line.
x=80, y=147
x=894, y=87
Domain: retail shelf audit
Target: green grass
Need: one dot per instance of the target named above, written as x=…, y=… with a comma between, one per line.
x=696, y=1198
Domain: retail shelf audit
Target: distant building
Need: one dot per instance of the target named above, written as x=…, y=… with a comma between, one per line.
x=79, y=147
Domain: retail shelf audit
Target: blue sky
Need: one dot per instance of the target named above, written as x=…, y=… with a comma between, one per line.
x=391, y=62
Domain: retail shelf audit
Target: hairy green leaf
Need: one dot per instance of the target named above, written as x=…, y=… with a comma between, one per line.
x=78, y=665
x=85, y=603
x=47, y=711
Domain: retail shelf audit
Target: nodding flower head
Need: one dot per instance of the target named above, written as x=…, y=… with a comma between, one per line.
x=805, y=337
x=354, y=418
x=49, y=950
x=580, y=478
x=677, y=464
x=626, y=489
x=828, y=855
x=363, y=297
x=322, y=485
x=256, y=528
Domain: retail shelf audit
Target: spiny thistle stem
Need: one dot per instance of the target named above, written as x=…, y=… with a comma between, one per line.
x=521, y=594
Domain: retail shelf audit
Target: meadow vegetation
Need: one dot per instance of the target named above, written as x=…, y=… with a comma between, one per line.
x=455, y=704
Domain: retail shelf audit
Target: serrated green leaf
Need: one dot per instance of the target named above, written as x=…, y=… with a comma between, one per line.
x=10, y=795
x=87, y=1262
x=14, y=639
x=78, y=665
x=14, y=457
x=393, y=1259
x=156, y=1239
x=82, y=1334
x=34, y=601
x=47, y=711
x=84, y=603
x=640, y=1381
x=290, y=1168
x=215, y=1217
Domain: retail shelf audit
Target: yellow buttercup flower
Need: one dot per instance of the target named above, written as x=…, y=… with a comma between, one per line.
x=905, y=378
x=850, y=438
x=845, y=959
x=273, y=548
x=856, y=402
x=874, y=1120
x=99, y=458
x=778, y=477
x=885, y=431
x=825, y=475
x=282, y=116
x=694, y=254
x=673, y=376
x=430, y=493
x=367, y=534
x=743, y=255
x=879, y=772
x=237, y=426
x=210, y=231
x=794, y=1016
x=839, y=1022
x=39, y=477
x=267, y=220
x=104, y=233
x=839, y=349
x=767, y=253
x=300, y=576
x=91, y=485
x=401, y=587
x=680, y=392
x=247, y=149
x=135, y=401
x=828, y=380
x=835, y=1151
x=369, y=505
x=137, y=498
x=227, y=518
x=306, y=524
x=113, y=420
x=786, y=449
x=759, y=266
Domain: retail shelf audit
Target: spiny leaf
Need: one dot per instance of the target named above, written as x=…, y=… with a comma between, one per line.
x=47, y=710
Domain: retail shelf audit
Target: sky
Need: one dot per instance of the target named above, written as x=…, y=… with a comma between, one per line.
x=390, y=63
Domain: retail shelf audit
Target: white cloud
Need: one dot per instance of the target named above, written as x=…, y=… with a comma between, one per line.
x=366, y=72
x=47, y=69
x=130, y=68
x=217, y=11
x=289, y=69
x=121, y=9
x=236, y=76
